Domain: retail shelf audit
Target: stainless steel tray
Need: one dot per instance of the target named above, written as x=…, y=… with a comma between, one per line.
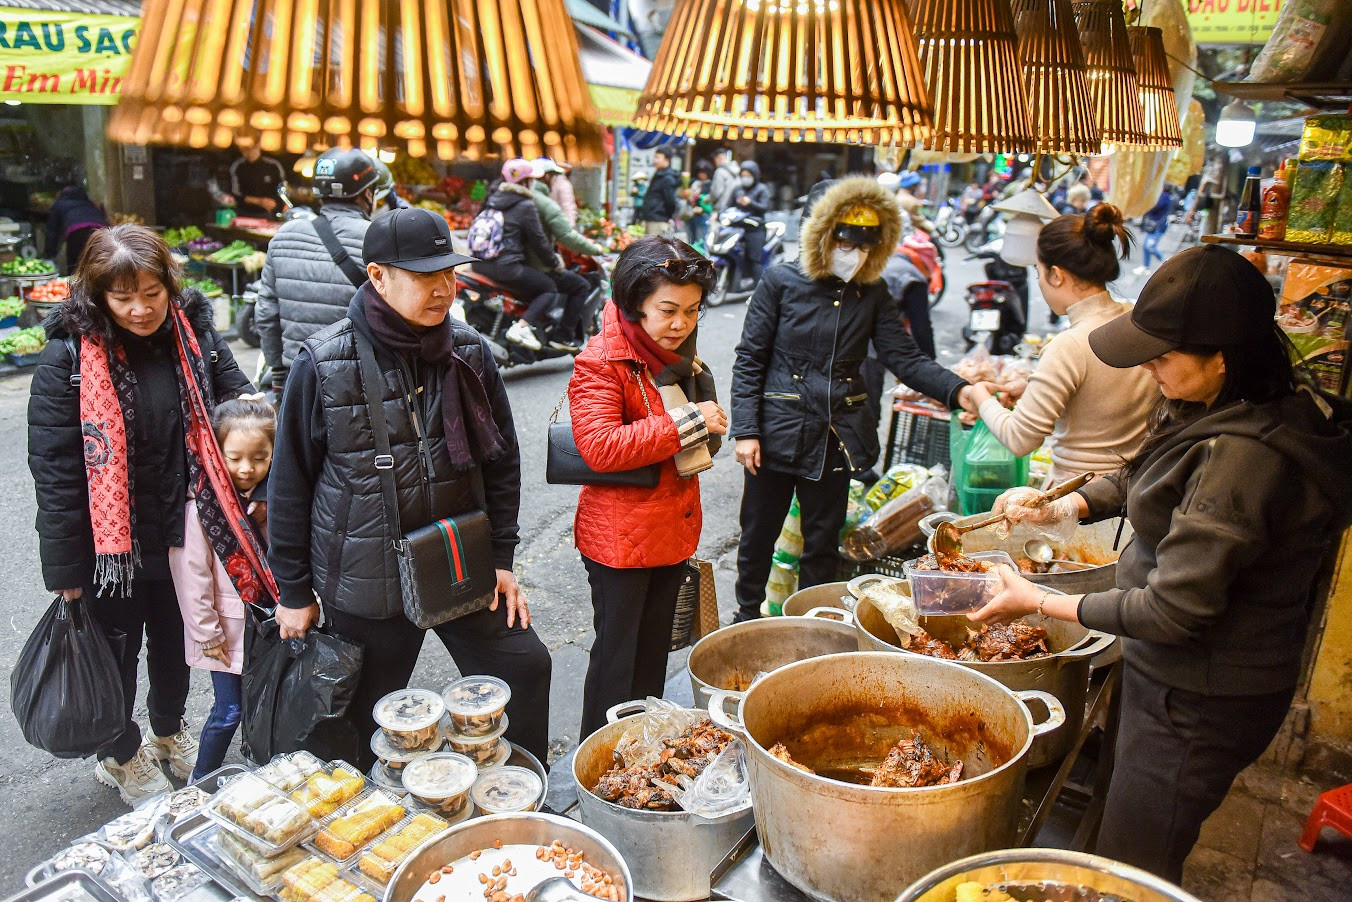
x=745, y=875
x=191, y=836
x=67, y=886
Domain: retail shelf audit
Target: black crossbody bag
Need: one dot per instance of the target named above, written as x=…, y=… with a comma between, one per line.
x=564, y=464
x=445, y=568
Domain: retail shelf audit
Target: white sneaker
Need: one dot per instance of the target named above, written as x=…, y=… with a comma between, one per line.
x=521, y=333
x=138, y=779
x=1141, y=270
x=178, y=750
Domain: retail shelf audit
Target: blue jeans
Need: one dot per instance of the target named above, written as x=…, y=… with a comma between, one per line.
x=221, y=723
x=1151, y=246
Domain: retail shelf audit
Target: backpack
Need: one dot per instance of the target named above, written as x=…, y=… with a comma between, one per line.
x=485, y=234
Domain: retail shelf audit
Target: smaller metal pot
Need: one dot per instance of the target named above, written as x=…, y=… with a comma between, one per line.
x=827, y=595
x=1049, y=873
x=731, y=657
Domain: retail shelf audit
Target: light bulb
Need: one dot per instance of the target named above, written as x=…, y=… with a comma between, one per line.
x=1237, y=125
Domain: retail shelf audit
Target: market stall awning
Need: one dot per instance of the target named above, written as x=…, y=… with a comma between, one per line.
x=92, y=7
x=615, y=75
x=584, y=13
x=66, y=51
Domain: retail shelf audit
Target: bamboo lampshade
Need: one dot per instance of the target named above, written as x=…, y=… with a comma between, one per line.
x=1158, y=103
x=970, y=53
x=1113, y=85
x=451, y=77
x=788, y=70
x=1054, y=76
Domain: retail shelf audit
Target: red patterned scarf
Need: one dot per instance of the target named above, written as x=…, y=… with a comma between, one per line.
x=107, y=416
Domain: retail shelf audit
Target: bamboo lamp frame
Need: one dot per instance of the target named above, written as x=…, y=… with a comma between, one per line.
x=1054, y=76
x=1162, y=125
x=1113, y=83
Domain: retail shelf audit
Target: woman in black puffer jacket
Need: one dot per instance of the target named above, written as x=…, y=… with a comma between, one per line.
x=799, y=404
x=114, y=438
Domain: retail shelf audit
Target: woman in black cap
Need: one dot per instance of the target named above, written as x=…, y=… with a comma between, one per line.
x=1242, y=486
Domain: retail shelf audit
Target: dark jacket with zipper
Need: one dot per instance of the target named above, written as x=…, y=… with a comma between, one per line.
x=1232, y=518
x=796, y=383
x=660, y=203
x=328, y=530
x=757, y=196
x=523, y=234
x=159, y=479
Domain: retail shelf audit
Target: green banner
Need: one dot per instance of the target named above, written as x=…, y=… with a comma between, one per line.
x=63, y=57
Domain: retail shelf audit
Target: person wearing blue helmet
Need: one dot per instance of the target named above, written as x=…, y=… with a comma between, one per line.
x=908, y=198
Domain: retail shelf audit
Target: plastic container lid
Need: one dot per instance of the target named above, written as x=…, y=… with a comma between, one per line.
x=439, y=775
x=382, y=749
x=476, y=695
x=451, y=734
x=507, y=789
x=408, y=710
x=387, y=779
x=499, y=757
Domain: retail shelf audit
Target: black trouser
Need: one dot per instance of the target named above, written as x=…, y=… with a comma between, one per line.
x=479, y=643
x=1177, y=754
x=632, y=612
x=575, y=289
x=753, y=240
x=152, y=611
x=765, y=503
x=529, y=285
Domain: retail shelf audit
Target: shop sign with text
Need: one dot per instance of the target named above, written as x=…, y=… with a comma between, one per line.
x=1232, y=21
x=63, y=57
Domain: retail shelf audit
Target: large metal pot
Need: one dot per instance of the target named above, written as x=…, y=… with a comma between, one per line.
x=846, y=842
x=1065, y=674
x=509, y=829
x=671, y=852
x=1070, y=876
x=1091, y=542
x=732, y=657
x=827, y=595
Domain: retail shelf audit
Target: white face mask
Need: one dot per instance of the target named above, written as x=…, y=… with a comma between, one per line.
x=747, y=181
x=845, y=264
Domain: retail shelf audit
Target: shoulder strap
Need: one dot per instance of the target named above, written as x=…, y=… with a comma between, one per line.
x=73, y=346
x=355, y=274
x=372, y=383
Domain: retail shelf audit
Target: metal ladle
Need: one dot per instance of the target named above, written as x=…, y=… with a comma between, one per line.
x=1039, y=552
x=558, y=889
x=948, y=536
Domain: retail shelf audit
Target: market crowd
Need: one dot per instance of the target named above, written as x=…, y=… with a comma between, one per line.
x=179, y=509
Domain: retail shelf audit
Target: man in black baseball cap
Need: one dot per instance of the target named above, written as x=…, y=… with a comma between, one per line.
x=452, y=449
x=1206, y=296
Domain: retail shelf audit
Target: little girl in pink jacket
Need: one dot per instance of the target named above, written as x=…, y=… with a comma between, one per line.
x=213, y=613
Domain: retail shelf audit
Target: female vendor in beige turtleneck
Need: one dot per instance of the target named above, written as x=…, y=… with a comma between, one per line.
x=1095, y=415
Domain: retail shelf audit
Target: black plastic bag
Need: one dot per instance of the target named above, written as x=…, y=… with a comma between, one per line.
x=66, y=689
x=296, y=692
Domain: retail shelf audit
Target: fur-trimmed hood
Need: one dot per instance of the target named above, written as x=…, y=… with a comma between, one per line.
x=816, y=242
x=80, y=316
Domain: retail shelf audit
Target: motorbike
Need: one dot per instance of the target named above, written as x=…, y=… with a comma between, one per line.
x=997, y=307
x=989, y=226
x=950, y=228
x=727, y=249
x=492, y=309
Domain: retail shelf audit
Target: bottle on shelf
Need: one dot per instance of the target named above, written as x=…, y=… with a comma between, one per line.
x=1276, y=203
x=1250, y=205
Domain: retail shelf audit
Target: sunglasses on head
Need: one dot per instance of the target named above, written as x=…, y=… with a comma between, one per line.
x=688, y=269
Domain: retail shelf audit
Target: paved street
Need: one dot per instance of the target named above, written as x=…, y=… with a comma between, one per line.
x=50, y=802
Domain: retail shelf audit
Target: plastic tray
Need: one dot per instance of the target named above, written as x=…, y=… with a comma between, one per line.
x=210, y=842
x=269, y=774
x=359, y=876
x=342, y=873
x=368, y=797
x=268, y=848
x=944, y=592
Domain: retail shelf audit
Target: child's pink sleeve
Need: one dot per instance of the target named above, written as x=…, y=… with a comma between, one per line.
x=193, y=570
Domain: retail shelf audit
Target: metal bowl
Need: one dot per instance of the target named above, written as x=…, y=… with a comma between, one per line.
x=1048, y=873
x=511, y=829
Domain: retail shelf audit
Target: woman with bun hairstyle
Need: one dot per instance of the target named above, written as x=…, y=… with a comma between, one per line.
x=1096, y=415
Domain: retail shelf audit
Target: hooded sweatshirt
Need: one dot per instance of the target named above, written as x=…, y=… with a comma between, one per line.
x=1232, y=518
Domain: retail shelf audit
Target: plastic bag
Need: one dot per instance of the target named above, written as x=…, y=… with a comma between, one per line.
x=66, y=689
x=641, y=744
x=296, y=692
x=895, y=525
x=984, y=469
x=722, y=788
x=1296, y=41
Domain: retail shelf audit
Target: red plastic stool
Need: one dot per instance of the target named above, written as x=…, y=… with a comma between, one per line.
x=1333, y=809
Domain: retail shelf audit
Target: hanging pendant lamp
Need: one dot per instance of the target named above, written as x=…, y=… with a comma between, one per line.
x=788, y=70
x=1158, y=103
x=970, y=53
x=1054, y=76
x=450, y=77
x=1113, y=84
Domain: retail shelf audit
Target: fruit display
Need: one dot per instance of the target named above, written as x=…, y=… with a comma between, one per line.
x=27, y=266
x=409, y=170
x=596, y=226
x=179, y=237
x=126, y=219
x=25, y=341
x=53, y=292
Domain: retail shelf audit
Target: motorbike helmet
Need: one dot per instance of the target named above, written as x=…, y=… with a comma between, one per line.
x=909, y=180
x=384, y=181
x=889, y=181
x=545, y=166
x=514, y=172
x=859, y=225
x=344, y=173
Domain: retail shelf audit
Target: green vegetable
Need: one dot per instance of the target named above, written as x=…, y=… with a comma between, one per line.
x=233, y=252
x=10, y=306
x=209, y=287
x=25, y=341
x=27, y=266
x=180, y=237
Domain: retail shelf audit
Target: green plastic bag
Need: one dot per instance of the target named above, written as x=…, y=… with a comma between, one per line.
x=982, y=467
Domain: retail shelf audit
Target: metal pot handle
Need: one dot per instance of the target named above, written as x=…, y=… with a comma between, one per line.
x=858, y=585
x=1056, y=712
x=718, y=711
x=829, y=613
x=624, y=709
x=1092, y=644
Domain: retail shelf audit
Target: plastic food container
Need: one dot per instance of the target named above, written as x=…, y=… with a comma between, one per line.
x=383, y=857
x=485, y=751
x=288, y=772
x=354, y=826
x=334, y=785
x=396, y=758
x=251, y=808
x=441, y=781
x=477, y=705
x=946, y=592
x=410, y=719
x=262, y=874
x=500, y=757
x=506, y=790
x=316, y=879
x=388, y=779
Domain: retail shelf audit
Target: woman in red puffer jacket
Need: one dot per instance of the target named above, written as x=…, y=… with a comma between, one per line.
x=635, y=541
